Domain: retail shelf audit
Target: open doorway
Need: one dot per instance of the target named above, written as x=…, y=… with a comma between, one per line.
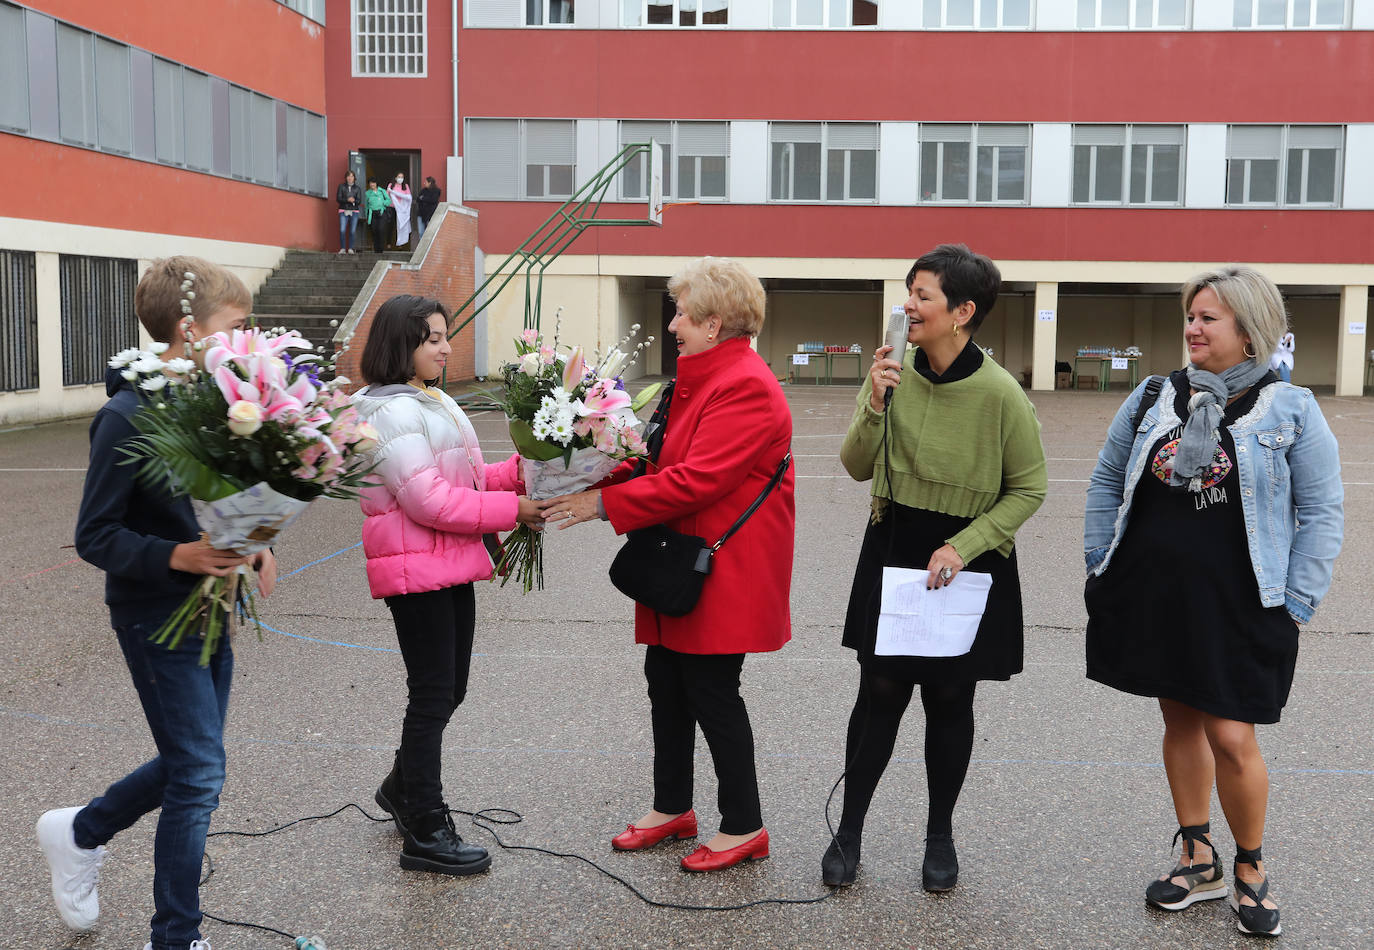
x=384, y=165
x=668, y=352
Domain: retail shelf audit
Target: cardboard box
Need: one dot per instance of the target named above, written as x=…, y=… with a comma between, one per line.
x=1063, y=380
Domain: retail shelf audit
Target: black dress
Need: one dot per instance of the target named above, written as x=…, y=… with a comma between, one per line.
x=907, y=537
x=1165, y=622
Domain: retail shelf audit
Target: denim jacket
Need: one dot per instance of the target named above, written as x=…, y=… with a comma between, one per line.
x=1290, y=490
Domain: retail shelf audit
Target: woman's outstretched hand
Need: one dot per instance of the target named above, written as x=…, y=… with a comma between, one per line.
x=573, y=509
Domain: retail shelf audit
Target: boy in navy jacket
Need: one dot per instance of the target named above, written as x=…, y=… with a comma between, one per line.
x=149, y=545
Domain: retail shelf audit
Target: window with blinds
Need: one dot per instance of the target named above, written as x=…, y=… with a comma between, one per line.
x=674, y=13
x=1295, y=14
x=823, y=161
x=1302, y=160
x=388, y=37
x=510, y=159
x=983, y=163
x=14, y=70
x=76, y=120
x=550, y=147
x=977, y=14
x=824, y=14
x=696, y=159
x=1133, y=14
x=97, y=305
x=549, y=13
x=1135, y=164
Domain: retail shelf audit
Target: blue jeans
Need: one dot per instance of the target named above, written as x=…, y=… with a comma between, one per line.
x=420, y=225
x=348, y=230
x=185, y=705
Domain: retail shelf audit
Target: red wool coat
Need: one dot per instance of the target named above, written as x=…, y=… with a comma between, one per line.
x=728, y=428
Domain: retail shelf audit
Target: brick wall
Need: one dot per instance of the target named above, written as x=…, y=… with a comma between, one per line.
x=441, y=268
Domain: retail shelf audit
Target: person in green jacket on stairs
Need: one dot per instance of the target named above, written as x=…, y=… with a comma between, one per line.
x=375, y=203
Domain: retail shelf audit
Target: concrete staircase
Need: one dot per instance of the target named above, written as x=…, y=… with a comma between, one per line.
x=311, y=288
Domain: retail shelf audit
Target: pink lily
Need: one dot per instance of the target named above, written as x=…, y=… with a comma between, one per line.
x=574, y=369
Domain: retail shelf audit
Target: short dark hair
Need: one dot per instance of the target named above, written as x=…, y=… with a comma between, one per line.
x=429, y=180
x=964, y=276
x=371, y=180
x=401, y=325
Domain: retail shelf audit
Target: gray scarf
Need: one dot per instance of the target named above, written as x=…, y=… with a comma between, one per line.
x=1202, y=436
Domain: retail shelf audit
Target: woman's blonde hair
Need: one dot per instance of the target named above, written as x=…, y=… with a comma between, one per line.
x=1252, y=297
x=724, y=288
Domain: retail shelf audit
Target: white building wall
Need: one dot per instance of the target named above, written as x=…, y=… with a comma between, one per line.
x=748, y=161
x=1051, y=164
x=1213, y=14
x=1055, y=15
x=1204, y=180
x=899, y=162
x=1358, y=188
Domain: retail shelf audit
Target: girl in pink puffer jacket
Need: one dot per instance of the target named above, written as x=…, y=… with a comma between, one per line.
x=430, y=502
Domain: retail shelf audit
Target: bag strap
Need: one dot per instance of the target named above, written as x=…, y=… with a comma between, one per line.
x=772, y=483
x=1147, y=399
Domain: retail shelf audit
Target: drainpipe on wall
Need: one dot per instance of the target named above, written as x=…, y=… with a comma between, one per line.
x=454, y=165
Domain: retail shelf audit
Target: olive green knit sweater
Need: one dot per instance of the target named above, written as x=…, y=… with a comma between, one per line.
x=969, y=448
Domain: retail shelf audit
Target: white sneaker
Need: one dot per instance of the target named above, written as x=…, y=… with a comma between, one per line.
x=195, y=945
x=75, y=871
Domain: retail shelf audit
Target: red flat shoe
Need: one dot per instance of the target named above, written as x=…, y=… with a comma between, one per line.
x=704, y=859
x=637, y=839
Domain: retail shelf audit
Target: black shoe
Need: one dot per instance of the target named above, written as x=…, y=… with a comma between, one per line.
x=840, y=864
x=1258, y=921
x=391, y=796
x=432, y=844
x=1201, y=882
x=940, y=869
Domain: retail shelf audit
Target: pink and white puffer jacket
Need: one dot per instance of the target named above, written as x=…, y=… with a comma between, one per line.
x=431, y=497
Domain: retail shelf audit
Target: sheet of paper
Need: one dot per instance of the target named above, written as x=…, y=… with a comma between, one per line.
x=914, y=621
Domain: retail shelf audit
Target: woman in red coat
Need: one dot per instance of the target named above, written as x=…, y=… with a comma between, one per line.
x=728, y=429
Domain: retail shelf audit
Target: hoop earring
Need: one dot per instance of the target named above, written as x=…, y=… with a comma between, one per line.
x=1249, y=351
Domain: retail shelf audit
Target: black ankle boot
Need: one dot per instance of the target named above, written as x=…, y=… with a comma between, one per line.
x=391, y=796
x=840, y=864
x=432, y=844
x=940, y=869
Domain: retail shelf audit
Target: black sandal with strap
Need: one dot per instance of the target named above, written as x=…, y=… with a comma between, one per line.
x=1259, y=921
x=1205, y=882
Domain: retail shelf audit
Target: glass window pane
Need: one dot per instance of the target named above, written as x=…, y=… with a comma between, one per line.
x=1016, y=12
x=1321, y=174
x=1235, y=181
x=713, y=177
x=75, y=86
x=933, y=16
x=1293, y=191
x=560, y=181
x=534, y=12
x=988, y=14
x=632, y=183
x=839, y=13
x=560, y=11
x=1109, y=170
x=930, y=170
x=985, y=156
x=14, y=74
x=534, y=181
x=715, y=12
x=956, y=172
x=1011, y=174
x=1082, y=170
x=1144, y=13
x=959, y=13
x=782, y=12
x=1140, y=166
x=1116, y=13
x=863, y=174
x=834, y=175
x=809, y=12
x=686, y=178
x=780, y=171
x=1264, y=180
x=864, y=13
x=1242, y=15
x=1087, y=14
x=660, y=13
x=1173, y=13
x=1272, y=12
x=1330, y=13
x=632, y=12
x=114, y=112
x=1167, y=166
x=667, y=169
x=807, y=171
x=1302, y=12
x=686, y=12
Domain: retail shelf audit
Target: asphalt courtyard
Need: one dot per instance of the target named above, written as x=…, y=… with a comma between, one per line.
x=1064, y=819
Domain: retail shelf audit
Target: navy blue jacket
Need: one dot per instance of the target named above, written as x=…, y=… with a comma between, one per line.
x=126, y=529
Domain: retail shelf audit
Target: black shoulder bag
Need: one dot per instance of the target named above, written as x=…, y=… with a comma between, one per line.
x=665, y=569
x=1147, y=399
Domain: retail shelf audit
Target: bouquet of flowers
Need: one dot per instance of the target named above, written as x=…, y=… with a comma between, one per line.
x=572, y=422
x=252, y=439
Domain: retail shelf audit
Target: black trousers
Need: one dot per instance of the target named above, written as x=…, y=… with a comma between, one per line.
x=435, y=633
x=687, y=690
x=378, y=228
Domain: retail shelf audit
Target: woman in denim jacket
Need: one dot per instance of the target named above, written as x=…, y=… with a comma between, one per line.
x=1241, y=472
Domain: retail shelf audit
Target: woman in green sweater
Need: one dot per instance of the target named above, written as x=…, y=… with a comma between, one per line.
x=957, y=467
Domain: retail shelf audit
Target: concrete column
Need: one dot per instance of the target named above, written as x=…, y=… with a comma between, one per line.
x=48, y=294
x=1351, y=340
x=1045, y=334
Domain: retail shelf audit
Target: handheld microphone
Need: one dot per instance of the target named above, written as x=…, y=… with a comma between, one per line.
x=896, y=338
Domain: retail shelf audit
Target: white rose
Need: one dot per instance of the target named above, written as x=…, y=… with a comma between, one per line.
x=368, y=436
x=245, y=417
x=529, y=364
